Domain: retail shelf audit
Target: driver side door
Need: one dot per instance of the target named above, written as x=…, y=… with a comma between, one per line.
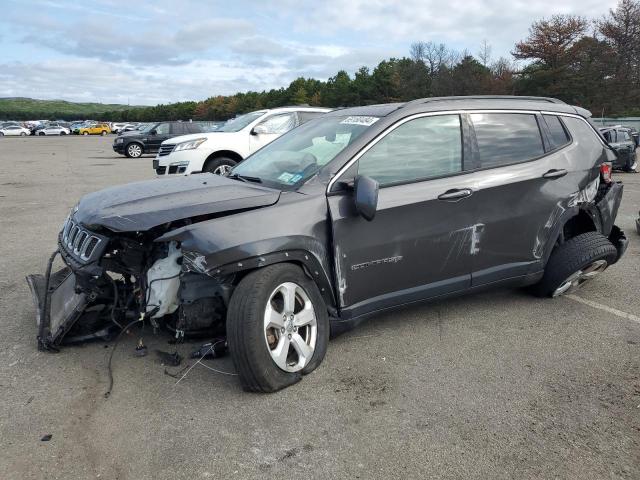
x=161, y=134
x=423, y=236
x=270, y=129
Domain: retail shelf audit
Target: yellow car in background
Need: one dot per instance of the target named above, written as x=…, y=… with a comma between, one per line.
x=97, y=129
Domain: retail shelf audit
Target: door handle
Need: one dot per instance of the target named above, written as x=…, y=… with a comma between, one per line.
x=456, y=194
x=553, y=173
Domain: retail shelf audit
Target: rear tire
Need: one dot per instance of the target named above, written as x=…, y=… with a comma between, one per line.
x=576, y=261
x=219, y=165
x=254, y=345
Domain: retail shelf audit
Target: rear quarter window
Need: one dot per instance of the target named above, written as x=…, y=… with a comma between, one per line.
x=583, y=133
x=559, y=135
x=506, y=138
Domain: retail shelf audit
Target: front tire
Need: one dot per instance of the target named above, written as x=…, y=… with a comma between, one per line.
x=576, y=261
x=22, y=134
x=277, y=327
x=103, y=133
x=219, y=165
x=85, y=133
x=133, y=150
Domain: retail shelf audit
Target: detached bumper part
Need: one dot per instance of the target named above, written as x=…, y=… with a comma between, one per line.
x=63, y=306
x=619, y=240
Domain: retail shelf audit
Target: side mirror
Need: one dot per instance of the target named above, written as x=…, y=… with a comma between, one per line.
x=153, y=132
x=259, y=130
x=365, y=191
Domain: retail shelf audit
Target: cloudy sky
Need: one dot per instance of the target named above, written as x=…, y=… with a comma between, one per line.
x=149, y=52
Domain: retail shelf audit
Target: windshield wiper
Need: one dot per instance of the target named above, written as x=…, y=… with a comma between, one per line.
x=246, y=178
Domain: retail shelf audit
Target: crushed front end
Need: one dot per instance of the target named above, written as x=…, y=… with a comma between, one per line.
x=111, y=279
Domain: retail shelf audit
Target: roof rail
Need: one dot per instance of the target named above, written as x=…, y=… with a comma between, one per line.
x=486, y=97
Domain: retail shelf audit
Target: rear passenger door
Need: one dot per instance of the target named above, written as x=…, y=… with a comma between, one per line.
x=524, y=177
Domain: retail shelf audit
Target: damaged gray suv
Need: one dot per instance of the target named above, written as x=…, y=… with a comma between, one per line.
x=352, y=213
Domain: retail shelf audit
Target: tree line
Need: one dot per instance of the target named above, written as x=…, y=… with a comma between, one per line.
x=591, y=63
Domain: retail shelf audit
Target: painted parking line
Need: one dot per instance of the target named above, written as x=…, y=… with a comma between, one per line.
x=599, y=306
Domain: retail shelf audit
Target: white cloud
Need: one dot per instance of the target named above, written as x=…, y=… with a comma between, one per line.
x=164, y=51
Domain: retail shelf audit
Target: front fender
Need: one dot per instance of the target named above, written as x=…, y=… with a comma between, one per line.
x=293, y=230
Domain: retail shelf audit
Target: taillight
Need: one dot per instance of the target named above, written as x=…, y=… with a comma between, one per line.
x=605, y=172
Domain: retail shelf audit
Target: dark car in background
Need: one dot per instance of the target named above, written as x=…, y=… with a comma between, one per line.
x=351, y=213
x=622, y=141
x=137, y=142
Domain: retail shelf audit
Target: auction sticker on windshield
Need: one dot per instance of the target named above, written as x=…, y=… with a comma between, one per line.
x=290, y=178
x=360, y=120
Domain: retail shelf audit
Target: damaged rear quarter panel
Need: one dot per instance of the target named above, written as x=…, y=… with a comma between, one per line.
x=297, y=223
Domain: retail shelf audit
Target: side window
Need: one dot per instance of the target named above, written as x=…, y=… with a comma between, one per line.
x=419, y=149
x=559, y=135
x=163, y=129
x=304, y=116
x=279, y=124
x=505, y=138
x=624, y=135
x=192, y=127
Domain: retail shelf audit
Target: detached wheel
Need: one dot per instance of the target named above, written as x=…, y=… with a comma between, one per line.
x=575, y=262
x=277, y=328
x=133, y=150
x=219, y=166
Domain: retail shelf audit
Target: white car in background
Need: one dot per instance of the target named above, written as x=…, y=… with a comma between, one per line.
x=54, y=130
x=219, y=151
x=14, y=130
x=116, y=127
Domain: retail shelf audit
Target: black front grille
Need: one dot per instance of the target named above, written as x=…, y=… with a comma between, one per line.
x=77, y=241
x=166, y=150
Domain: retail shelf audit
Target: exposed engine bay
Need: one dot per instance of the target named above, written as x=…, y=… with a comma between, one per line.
x=110, y=282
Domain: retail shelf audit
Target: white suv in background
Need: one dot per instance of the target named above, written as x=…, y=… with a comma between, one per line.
x=218, y=151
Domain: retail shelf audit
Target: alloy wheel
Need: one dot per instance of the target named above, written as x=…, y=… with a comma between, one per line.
x=290, y=327
x=576, y=279
x=134, y=150
x=222, y=169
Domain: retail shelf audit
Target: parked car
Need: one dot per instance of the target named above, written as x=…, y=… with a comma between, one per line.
x=352, y=213
x=13, y=130
x=624, y=144
x=97, y=129
x=218, y=151
x=53, y=130
x=130, y=127
x=136, y=142
x=116, y=127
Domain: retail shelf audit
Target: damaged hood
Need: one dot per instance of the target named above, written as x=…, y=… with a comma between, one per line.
x=141, y=206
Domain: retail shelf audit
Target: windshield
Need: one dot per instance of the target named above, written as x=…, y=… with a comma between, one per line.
x=298, y=155
x=238, y=123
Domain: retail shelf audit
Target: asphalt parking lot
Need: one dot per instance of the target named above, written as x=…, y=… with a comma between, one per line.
x=496, y=385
